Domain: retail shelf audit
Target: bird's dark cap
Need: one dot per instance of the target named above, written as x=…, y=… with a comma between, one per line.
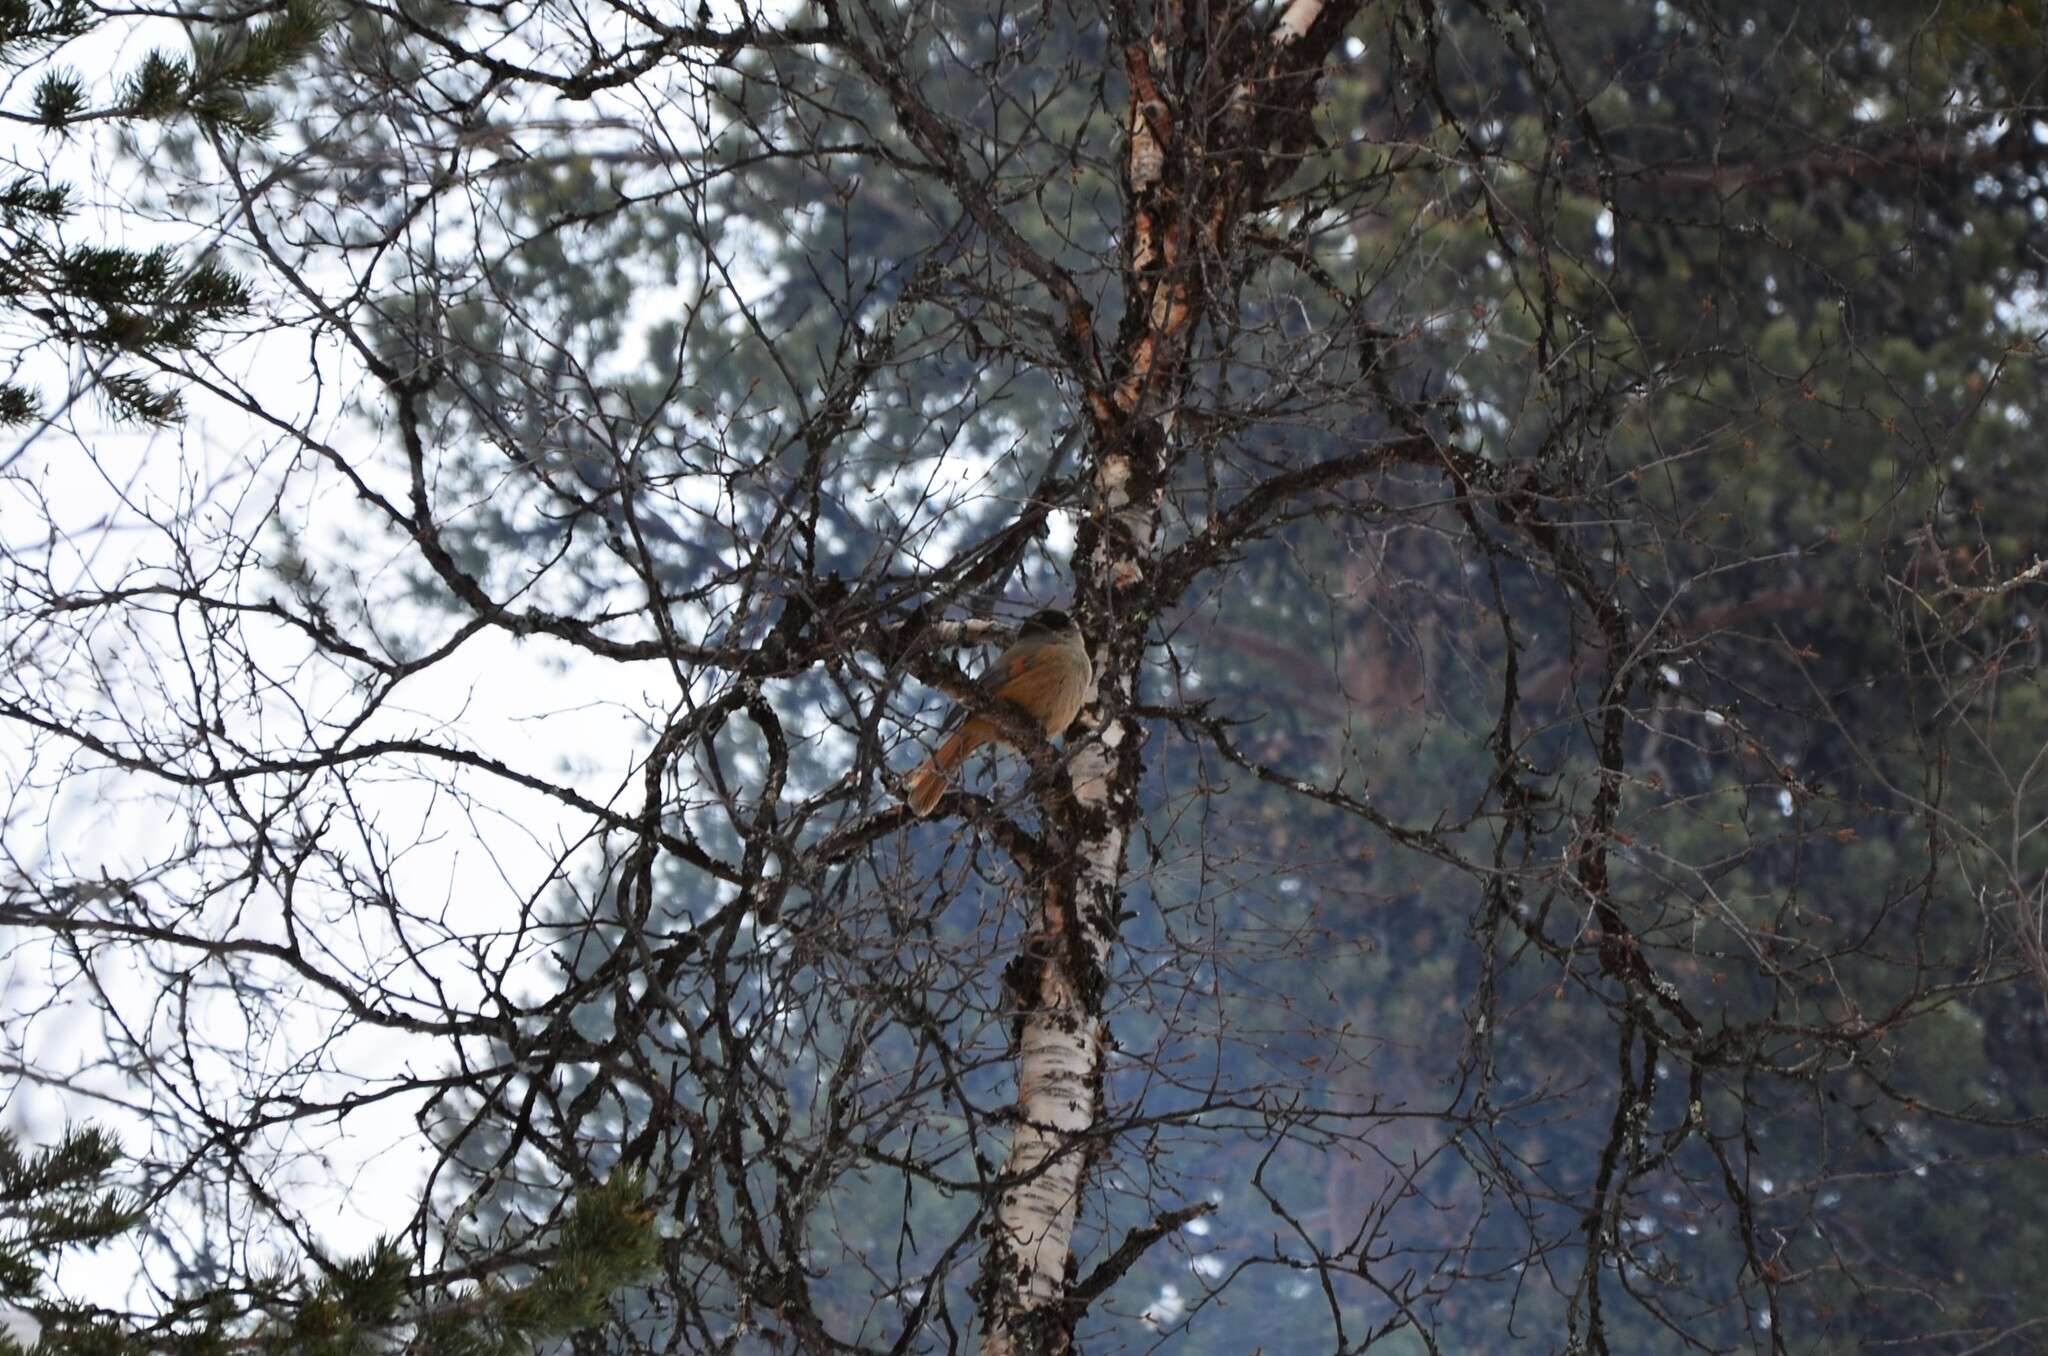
x=1047, y=620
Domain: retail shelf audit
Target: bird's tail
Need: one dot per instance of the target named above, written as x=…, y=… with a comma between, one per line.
x=928, y=783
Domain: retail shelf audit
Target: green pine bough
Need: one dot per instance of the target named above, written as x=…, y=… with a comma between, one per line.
x=67, y=1196
x=107, y=301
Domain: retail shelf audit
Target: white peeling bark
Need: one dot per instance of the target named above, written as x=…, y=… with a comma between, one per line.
x=1058, y=1064
x=1295, y=21
x=1063, y=1035
x=1178, y=216
x=1059, y=1077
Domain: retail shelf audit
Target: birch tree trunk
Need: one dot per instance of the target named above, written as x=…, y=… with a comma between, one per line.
x=1220, y=111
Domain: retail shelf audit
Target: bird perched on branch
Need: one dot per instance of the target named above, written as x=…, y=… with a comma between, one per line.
x=1045, y=672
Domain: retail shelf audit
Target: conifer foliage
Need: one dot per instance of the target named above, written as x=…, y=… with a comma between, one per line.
x=70, y=1197
x=121, y=307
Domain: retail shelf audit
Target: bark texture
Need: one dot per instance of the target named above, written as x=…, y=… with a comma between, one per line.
x=1220, y=109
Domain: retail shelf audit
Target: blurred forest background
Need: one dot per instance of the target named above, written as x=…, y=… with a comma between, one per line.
x=1575, y=680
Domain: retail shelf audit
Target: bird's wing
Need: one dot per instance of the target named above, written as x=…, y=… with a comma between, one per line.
x=1004, y=667
x=1000, y=670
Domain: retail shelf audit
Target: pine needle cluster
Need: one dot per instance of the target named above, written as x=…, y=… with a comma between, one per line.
x=112, y=303
x=68, y=1196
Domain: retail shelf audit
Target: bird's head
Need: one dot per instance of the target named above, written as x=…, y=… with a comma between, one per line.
x=1045, y=624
